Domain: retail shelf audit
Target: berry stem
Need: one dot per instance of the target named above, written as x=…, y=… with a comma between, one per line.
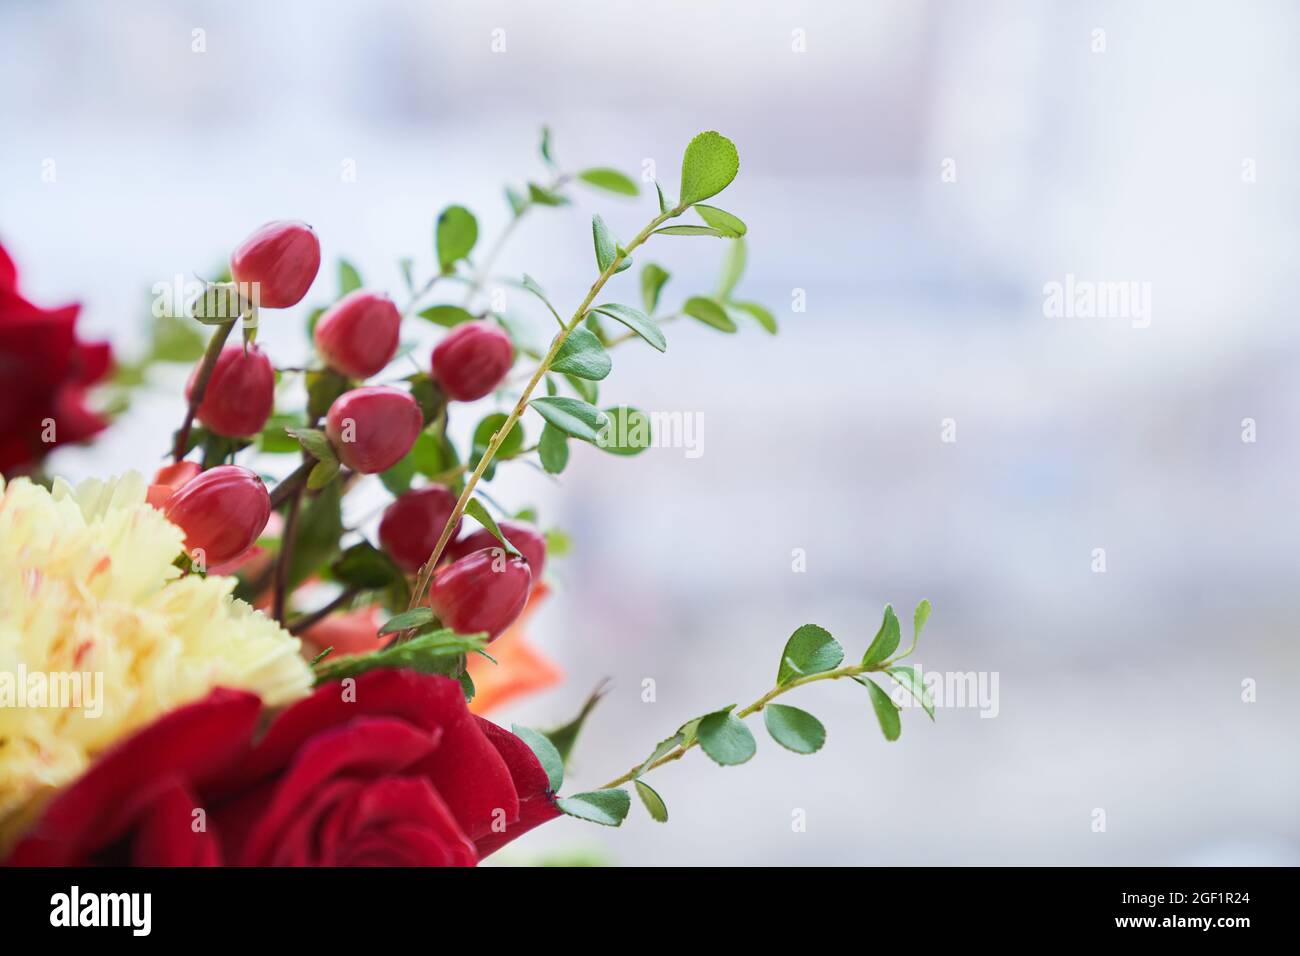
x=426, y=572
x=851, y=671
x=210, y=356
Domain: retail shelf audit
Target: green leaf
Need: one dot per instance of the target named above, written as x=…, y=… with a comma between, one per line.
x=886, y=710
x=553, y=449
x=531, y=285
x=794, y=729
x=275, y=438
x=483, y=433
x=765, y=318
x=605, y=243
x=708, y=166
x=726, y=739
x=810, y=650
x=709, y=312
x=437, y=652
x=416, y=617
x=637, y=321
x=349, y=278
x=653, y=278
x=558, y=543
x=218, y=305
x=316, y=537
x=627, y=431
x=664, y=203
x=691, y=231
x=405, y=265
x=885, y=641
x=466, y=686
x=654, y=803
x=322, y=473
x=733, y=267
x=607, y=807
x=315, y=443
x=662, y=749
x=175, y=340
x=365, y=566
x=517, y=202
x=322, y=390
x=544, y=147
x=545, y=197
x=610, y=180
x=572, y=416
x=480, y=514
x=448, y=316
x=722, y=221
x=456, y=233
x=565, y=737
x=907, y=676
x=581, y=354
x=919, y=617
x=545, y=752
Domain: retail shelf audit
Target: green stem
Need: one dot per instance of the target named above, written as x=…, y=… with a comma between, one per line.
x=210, y=356
x=426, y=572
x=754, y=708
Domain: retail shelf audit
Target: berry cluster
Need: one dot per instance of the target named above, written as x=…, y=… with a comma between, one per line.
x=369, y=429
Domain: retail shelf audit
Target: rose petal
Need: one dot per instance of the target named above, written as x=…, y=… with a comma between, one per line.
x=536, y=802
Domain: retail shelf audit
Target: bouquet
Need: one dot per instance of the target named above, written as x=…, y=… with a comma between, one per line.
x=169, y=695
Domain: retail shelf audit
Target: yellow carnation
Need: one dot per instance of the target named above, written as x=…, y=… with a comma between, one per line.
x=89, y=597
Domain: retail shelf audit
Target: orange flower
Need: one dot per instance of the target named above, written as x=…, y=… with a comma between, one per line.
x=520, y=669
x=348, y=632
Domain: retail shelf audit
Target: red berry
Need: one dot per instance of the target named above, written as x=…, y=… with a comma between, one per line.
x=483, y=591
x=411, y=525
x=358, y=335
x=371, y=428
x=472, y=360
x=222, y=512
x=522, y=535
x=240, y=394
x=282, y=258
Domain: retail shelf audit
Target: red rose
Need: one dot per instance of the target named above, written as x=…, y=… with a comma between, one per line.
x=45, y=370
x=397, y=773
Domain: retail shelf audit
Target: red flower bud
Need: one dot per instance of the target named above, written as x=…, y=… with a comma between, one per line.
x=282, y=257
x=522, y=535
x=483, y=591
x=371, y=428
x=358, y=335
x=222, y=512
x=240, y=394
x=472, y=360
x=411, y=525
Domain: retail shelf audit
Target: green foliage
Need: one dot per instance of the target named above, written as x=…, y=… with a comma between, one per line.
x=810, y=650
x=547, y=754
x=435, y=652
x=709, y=312
x=607, y=807
x=886, y=710
x=571, y=416
x=794, y=729
x=605, y=243
x=565, y=737
x=349, y=278
x=626, y=432
x=582, y=355
x=725, y=738
x=654, y=803
x=610, y=180
x=480, y=514
x=653, y=278
x=553, y=449
x=709, y=165
x=730, y=226
x=637, y=321
x=454, y=236
x=448, y=316
x=885, y=641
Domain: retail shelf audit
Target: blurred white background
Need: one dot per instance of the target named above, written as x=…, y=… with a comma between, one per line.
x=1119, y=691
